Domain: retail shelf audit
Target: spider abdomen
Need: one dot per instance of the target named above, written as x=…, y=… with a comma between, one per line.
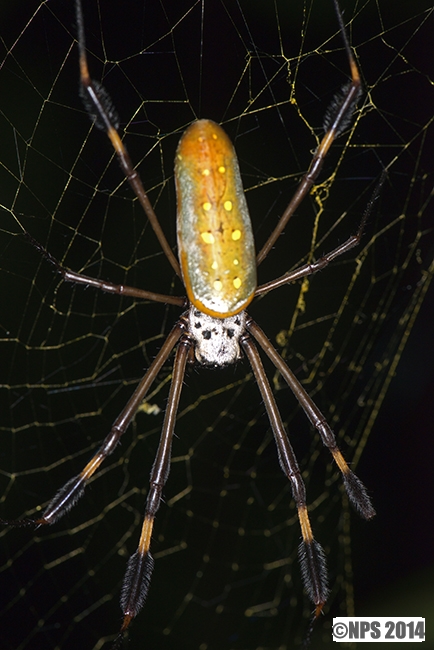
x=215, y=240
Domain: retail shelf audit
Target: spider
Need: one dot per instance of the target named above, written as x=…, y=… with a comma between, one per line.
x=217, y=265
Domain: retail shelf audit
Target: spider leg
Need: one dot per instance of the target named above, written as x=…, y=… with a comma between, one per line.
x=73, y=489
x=324, y=260
x=140, y=565
x=108, y=287
x=309, y=269
x=100, y=108
x=355, y=489
x=311, y=554
x=336, y=120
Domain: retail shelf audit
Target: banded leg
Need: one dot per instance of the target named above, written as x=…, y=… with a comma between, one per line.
x=71, y=492
x=140, y=565
x=336, y=120
x=353, y=485
x=311, y=555
x=101, y=110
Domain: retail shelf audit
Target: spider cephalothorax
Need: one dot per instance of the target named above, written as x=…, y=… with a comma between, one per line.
x=216, y=340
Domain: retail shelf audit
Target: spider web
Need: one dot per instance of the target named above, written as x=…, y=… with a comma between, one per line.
x=226, y=537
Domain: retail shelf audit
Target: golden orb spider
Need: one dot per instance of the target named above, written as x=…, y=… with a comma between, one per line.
x=217, y=265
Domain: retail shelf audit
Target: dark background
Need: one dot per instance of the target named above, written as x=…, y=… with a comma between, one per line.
x=392, y=555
